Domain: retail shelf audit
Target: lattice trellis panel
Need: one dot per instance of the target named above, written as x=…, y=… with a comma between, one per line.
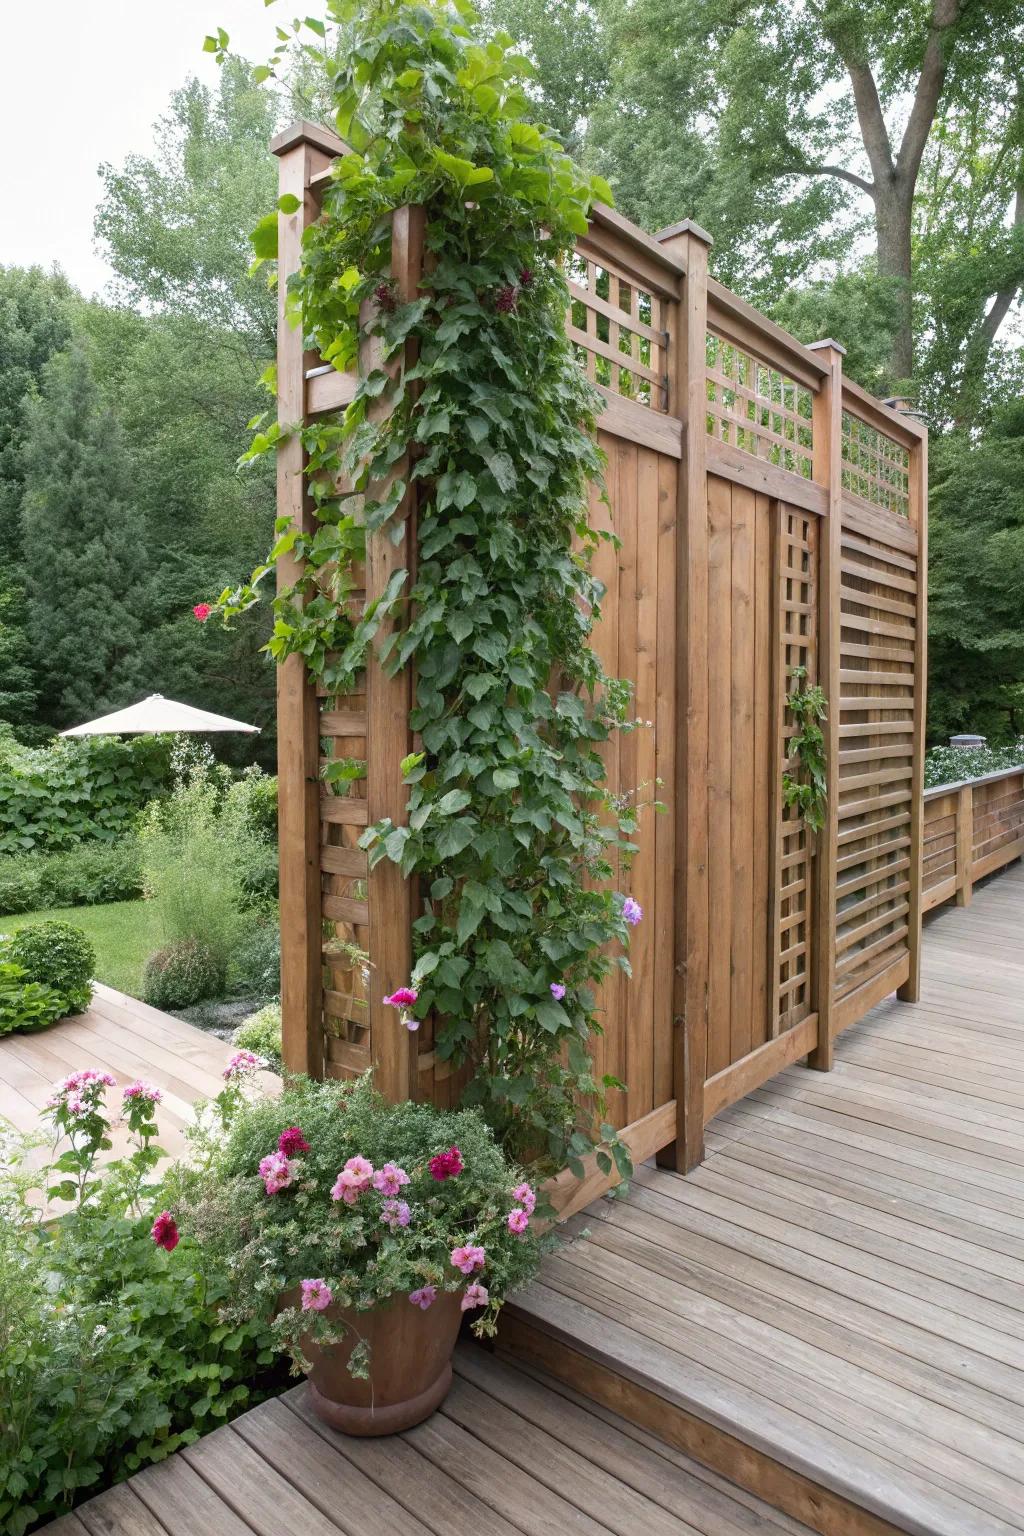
x=875, y=466
x=758, y=408
x=877, y=677
x=343, y=869
x=797, y=565
x=617, y=329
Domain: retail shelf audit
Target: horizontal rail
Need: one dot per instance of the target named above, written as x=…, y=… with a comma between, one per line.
x=970, y=833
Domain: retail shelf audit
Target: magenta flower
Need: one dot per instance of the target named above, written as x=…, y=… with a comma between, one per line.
x=291, y=1142
x=518, y=1220
x=395, y=1213
x=390, y=1179
x=557, y=991
x=424, y=1297
x=75, y=1104
x=526, y=1197
x=403, y=997
x=276, y=1172
x=474, y=1295
x=446, y=1165
x=164, y=1231
x=202, y=612
x=468, y=1257
x=316, y=1295
x=242, y=1064
x=505, y=299
x=632, y=911
x=141, y=1090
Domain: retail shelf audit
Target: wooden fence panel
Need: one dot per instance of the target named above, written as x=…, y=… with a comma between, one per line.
x=971, y=829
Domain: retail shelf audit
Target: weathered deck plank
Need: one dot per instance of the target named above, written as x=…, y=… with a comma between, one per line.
x=834, y=1300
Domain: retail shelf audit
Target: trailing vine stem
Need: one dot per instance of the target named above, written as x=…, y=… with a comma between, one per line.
x=807, y=789
x=509, y=826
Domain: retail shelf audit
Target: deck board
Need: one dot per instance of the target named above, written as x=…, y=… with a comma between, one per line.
x=839, y=1286
x=509, y=1453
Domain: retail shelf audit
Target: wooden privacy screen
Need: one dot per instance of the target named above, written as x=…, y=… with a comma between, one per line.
x=768, y=516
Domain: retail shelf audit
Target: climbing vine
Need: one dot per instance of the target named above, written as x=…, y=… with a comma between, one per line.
x=807, y=789
x=509, y=827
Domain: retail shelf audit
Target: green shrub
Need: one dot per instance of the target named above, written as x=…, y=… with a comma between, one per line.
x=58, y=956
x=182, y=974
x=948, y=765
x=25, y=1004
x=261, y=1034
x=78, y=789
x=85, y=876
x=256, y=963
x=114, y=1355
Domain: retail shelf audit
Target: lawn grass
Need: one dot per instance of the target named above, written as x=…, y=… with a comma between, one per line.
x=124, y=933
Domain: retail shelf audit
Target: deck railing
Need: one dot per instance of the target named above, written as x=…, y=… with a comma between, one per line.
x=971, y=829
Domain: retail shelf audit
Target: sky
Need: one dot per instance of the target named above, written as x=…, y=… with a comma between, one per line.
x=82, y=82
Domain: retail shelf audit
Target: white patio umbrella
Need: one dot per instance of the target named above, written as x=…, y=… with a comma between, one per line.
x=154, y=716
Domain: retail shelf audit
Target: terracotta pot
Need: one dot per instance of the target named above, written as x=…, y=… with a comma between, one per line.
x=410, y=1365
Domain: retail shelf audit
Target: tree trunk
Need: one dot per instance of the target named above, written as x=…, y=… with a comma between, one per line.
x=893, y=214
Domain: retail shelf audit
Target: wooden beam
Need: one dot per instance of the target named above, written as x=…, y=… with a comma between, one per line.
x=828, y=468
x=687, y=329
x=303, y=151
x=965, y=846
x=910, y=991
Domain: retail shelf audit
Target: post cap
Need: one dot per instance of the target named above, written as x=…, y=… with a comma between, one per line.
x=826, y=341
x=302, y=132
x=684, y=227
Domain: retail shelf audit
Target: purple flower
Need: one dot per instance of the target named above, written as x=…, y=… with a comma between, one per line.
x=390, y=1179
x=242, y=1064
x=518, y=1220
x=632, y=911
x=424, y=1297
x=557, y=991
x=475, y=1295
x=524, y=1194
x=395, y=1213
x=316, y=1295
x=402, y=997
x=468, y=1257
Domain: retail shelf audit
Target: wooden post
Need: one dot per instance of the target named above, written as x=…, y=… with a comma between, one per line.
x=388, y=737
x=828, y=471
x=687, y=396
x=964, y=846
x=303, y=150
x=911, y=989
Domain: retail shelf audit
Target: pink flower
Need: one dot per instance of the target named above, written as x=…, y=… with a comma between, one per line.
x=518, y=1220
x=164, y=1231
x=390, y=1179
x=474, y=1296
x=276, y=1172
x=446, y=1165
x=291, y=1142
x=403, y=997
x=352, y=1180
x=632, y=911
x=242, y=1063
x=202, y=612
x=526, y=1197
x=396, y=1213
x=468, y=1257
x=557, y=991
x=76, y=1105
x=316, y=1295
x=141, y=1090
x=424, y=1297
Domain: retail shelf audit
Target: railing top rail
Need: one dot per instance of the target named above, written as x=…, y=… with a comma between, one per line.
x=776, y=347
x=897, y=424
x=983, y=778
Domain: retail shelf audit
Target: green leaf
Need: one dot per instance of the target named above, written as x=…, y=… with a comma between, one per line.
x=289, y=203
x=264, y=238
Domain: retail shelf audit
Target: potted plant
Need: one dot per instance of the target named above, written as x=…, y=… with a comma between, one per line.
x=362, y=1232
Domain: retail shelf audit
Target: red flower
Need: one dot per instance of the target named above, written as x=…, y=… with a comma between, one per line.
x=525, y=278
x=446, y=1165
x=164, y=1231
x=291, y=1142
x=202, y=612
x=505, y=299
x=385, y=296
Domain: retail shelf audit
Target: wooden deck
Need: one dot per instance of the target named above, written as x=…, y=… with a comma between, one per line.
x=509, y=1454
x=831, y=1308
x=127, y=1038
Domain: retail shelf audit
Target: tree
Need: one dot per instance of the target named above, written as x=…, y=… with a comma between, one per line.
x=84, y=546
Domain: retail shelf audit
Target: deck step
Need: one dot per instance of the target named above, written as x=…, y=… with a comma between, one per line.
x=714, y=1366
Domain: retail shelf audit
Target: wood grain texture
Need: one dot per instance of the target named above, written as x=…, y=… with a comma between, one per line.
x=837, y=1290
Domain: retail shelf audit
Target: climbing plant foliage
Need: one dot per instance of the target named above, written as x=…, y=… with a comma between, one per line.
x=807, y=789
x=509, y=827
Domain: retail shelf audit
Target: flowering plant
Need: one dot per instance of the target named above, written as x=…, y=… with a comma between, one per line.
x=328, y=1195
